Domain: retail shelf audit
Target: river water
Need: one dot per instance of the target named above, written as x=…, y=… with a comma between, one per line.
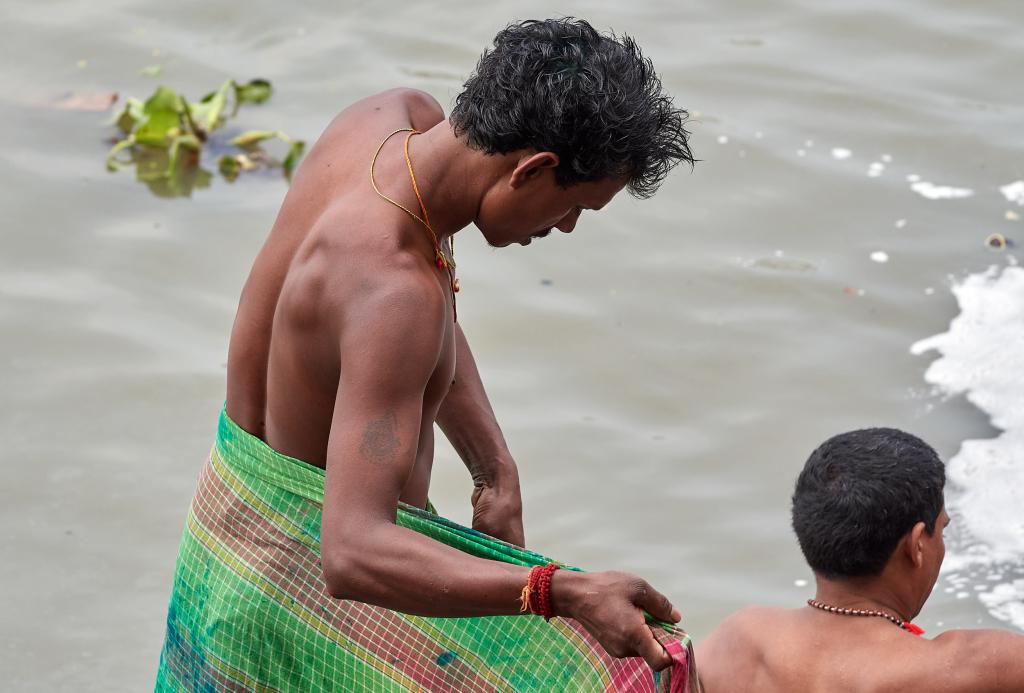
x=661, y=374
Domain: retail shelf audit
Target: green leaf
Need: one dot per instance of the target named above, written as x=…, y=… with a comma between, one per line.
x=253, y=91
x=112, y=163
x=163, y=112
x=253, y=137
x=229, y=167
x=207, y=113
x=294, y=154
x=188, y=142
x=130, y=116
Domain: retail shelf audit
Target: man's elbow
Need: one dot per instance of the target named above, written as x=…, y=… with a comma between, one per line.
x=341, y=570
x=344, y=560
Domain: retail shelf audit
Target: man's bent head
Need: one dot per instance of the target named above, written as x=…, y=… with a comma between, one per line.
x=863, y=493
x=581, y=107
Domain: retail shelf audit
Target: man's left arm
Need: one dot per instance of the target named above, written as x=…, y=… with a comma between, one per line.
x=468, y=422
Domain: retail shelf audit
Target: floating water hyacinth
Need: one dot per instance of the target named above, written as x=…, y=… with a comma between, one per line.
x=164, y=137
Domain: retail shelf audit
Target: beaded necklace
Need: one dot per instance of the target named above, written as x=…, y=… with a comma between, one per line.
x=896, y=620
x=442, y=262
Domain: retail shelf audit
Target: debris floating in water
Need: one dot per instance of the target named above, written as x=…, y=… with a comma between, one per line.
x=996, y=241
x=87, y=101
x=880, y=256
x=723, y=139
x=1014, y=192
x=165, y=136
x=932, y=191
x=841, y=153
x=900, y=223
x=875, y=169
x=1011, y=215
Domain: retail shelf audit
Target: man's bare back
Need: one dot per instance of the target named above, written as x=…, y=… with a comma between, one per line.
x=808, y=651
x=869, y=514
x=334, y=244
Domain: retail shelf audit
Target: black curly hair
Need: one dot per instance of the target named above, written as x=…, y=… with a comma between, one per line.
x=593, y=99
x=859, y=494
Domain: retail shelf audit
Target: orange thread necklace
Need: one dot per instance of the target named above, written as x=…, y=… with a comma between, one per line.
x=442, y=262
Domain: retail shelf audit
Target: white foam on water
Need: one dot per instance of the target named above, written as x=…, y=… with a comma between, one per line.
x=982, y=357
x=841, y=153
x=1013, y=192
x=939, y=192
x=880, y=256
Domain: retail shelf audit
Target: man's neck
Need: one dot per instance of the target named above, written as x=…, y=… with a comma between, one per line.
x=864, y=593
x=452, y=178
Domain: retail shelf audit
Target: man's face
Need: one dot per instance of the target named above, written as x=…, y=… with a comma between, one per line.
x=537, y=205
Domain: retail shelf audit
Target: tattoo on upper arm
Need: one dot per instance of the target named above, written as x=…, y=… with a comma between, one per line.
x=380, y=440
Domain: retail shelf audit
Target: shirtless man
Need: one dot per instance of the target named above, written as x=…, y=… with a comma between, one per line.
x=869, y=515
x=345, y=350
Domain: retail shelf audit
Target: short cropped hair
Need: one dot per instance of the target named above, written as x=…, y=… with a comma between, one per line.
x=593, y=99
x=859, y=494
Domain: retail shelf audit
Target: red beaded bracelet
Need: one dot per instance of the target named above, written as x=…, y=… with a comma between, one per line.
x=536, y=595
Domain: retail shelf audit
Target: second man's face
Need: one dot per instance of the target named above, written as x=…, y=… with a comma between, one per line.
x=539, y=206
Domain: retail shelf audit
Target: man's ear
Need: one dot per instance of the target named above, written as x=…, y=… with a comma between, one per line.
x=532, y=165
x=914, y=544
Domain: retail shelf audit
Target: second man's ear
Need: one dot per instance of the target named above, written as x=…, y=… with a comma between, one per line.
x=915, y=544
x=532, y=165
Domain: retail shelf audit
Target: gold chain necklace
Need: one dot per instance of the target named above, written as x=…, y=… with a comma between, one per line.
x=443, y=263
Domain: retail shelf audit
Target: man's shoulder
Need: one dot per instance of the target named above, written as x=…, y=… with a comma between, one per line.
x=754, y=618
x=980, y=642
x=974, y=661
x=977, y=640
x=740, y=633
x=421, y=109
x=731, y=652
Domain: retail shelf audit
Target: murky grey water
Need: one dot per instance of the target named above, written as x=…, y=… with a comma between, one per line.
x=661, y=374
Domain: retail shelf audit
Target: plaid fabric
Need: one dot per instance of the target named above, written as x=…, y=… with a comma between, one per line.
x=249, y=609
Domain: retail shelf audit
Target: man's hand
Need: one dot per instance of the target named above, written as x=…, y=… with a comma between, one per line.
x=499, y=512
x=610, y=606
x=468, y=421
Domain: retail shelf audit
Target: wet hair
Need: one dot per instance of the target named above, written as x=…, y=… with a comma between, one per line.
x=859, y=494
x=558, y=85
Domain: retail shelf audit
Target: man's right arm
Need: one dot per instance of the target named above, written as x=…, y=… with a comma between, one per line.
x=387, y=359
